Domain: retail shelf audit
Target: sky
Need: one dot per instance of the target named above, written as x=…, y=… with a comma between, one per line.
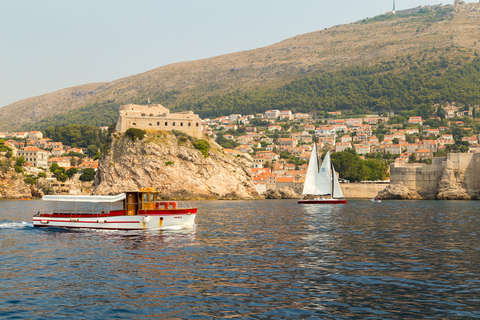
x=48, y=45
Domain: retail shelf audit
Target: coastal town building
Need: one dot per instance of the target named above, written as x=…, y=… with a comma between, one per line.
x=36, y=156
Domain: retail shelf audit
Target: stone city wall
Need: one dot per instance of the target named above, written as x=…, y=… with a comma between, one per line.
x=362, y=190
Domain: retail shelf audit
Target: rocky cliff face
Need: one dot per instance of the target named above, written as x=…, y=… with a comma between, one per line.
x=173, y=166
x=12, y=186
x=452, y=185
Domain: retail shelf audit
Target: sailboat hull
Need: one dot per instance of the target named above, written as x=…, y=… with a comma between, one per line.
x=323, y=201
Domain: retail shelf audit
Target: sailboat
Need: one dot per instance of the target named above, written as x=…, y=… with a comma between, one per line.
x=322, y=183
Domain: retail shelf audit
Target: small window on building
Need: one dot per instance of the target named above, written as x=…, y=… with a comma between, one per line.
x=151, y=114
x=189, y=124
x=134, y=124
x=181, y=124
x=197, y=124
x=158, y=123
x=150, y=124
x=173, y=124
x=166, y=124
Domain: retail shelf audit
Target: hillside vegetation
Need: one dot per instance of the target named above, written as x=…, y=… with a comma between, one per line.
x=384, y=63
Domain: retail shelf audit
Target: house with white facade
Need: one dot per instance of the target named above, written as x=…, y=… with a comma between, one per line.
x=36, y=156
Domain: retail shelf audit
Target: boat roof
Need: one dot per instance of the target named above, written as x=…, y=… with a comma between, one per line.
x=84, y=198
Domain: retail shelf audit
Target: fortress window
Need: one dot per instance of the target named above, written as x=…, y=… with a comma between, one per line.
x=166, y=124
x=197, y=124
x=173, y=124
x=181, y=124
x=151, y=114
x=134, y=124
x=158, y=123
x=150, y=124
x=143, y=114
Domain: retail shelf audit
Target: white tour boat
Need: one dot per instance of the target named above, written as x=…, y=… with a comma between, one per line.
x=322, y=185
x=141, y=209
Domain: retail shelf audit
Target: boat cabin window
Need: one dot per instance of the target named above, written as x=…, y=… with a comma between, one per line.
x=148, y=200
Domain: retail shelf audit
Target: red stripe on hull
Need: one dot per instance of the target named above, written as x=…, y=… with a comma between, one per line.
x=117, y=213
x=324, y=201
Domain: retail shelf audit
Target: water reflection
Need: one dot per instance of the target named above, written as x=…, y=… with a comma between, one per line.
x=251, y=259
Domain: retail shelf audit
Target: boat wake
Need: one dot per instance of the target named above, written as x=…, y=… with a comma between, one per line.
x=15, y=224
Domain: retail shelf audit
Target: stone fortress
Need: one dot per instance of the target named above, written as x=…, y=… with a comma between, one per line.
x=157, y=117
x=455, y=177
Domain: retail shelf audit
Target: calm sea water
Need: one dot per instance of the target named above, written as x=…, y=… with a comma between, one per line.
x=270, y=259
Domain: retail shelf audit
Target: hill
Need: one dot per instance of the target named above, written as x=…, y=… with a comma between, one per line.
x=396, y=43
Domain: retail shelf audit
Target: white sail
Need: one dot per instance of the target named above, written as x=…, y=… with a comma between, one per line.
x=310, y=186
x=324, y=178
x=337, y=190
x=324, y=181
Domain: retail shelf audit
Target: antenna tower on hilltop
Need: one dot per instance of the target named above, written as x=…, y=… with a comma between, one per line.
x=393, y=6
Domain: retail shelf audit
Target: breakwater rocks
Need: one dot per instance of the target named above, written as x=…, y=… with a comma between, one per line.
x=174, y=167
x=399, y=192
x=281, y=193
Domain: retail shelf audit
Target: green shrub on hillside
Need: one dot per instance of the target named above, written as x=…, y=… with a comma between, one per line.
x=202, y=146
x=133, y=133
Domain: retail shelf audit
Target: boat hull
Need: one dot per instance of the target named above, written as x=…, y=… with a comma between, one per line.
x=154, y=219
x=323, y=201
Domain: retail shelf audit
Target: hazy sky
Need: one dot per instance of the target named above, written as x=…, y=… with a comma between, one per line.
x=47, y=45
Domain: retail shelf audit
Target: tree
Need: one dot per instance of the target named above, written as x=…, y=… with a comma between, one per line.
x=284, y=155
x=20, y=161
x=88, y=175
x=70, y=172
x=350, y=166
x=133, y=133
x=92, y=150
x=53, y=167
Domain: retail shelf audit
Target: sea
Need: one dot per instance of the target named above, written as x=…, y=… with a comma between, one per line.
x=267, y=259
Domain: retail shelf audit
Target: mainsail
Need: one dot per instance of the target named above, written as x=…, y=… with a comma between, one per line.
x=310, y=186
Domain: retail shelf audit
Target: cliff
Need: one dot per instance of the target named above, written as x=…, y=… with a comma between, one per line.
x=12, y=186
x=174, y=167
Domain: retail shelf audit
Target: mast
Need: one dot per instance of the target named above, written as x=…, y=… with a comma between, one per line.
x=333, y=172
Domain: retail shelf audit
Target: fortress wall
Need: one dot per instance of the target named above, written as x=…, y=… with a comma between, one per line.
x=460, y=160
x=361, y=190
x=425, y=178
x=472, y=173
x=404, y=175
x=422, y=178
x=428, y=178
x=156, y=117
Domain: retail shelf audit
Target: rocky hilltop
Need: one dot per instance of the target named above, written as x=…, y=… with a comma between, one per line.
x=172, y=165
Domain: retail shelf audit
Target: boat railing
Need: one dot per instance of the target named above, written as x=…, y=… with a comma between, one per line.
x=183, y=205
x=80, y=208
x=99, y=208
